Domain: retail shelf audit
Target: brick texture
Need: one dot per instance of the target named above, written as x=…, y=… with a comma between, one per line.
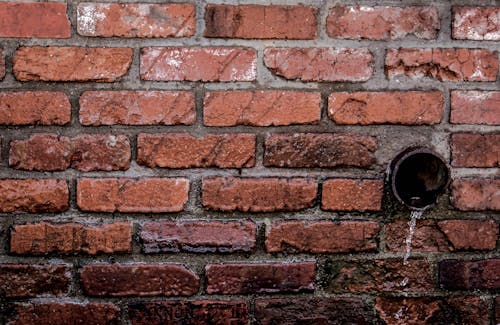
x=476, y=194
x=258, y=194
x=71, y=238
x=475, y=107
x=260, y=278
x=382, y=23
x=198, y=237
x=138, y=280
x=409, y=108
x=261, y=108
x=136, y=20
x=476, y=23
x=137, y=108
x=71, y=63
x=181, y=150
x=462, y=275
x=475, y=150
x=352, y=195
x=2, y=64
x=261, y=22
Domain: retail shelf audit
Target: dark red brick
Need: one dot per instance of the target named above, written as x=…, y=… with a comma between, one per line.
x=23, y=281
x=114, y=280
x=182, y=150
x=198, y=236
x=476, y=194
x=232, y=312
x=260, y=22
x=322, y=236
x=319, y=150
x=467, y=275
x=476, y=23
x=260, y=278
x=475, y=107
x=475, y=150
x=352, y=195
x=258, y=194
x=261, y=108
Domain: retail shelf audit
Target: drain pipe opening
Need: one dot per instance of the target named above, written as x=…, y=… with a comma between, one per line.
x=418, y=176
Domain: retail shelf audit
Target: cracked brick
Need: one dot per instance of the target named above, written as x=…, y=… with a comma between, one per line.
x=476, y=23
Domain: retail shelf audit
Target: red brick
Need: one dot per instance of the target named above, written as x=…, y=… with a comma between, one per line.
x=132, y=195
x=71, y=63
x=198, y=236
x=136, y=20
x=444, y=64
x=435, y=310
x=382, y=23
x=137, y=108
x=312, y=311
x=23, y=281
x=33, y=195
x=182, y=150
x=322, y=236
x=69, y=238
x=475, y=150
x=475, y=107
x=376, y=276
x=319, y=150
x=260, y=278
x=320, y=64
x=476, y=23
x=232, y=312
x=123, y=280
x=352, y=195
x=34, y=20
x=34, y=107
x=260, y=22
x=476, y=194
x=448, y=235
x=395, y=107
x=198, y=64
x=87, y=152
x=261, y=108
x=63, y=313
x=467, y=275
x=258, y=194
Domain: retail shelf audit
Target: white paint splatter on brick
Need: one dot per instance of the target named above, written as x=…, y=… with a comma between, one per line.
x=89, y=15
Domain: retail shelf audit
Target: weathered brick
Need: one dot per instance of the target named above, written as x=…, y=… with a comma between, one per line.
x=182, y=150
x=260, y=278
x=34, y=107
x=322, y=236
x=23, y=281
x=376, y=276
x=260, y=22
x=132, y=195
x=136, y=20
x=63, y=313
x=137, y=108
x=395, y=107
x=476, y=23
x=320, y=64
x=232, y=312
x=2, y=64
x=497, y=310
x=475, y=107
x=71, y=63
x=476, y=194
x=448, y=235
x=198, y=64
x=435, y=310
x=87, y=152
x=382, y=23
x=444, y=64
x=261, y=108
x=312, y=311
x=46, y=238
x=33, y=195
x=123, y=280
x=352, y=195
x=258, y=194
x=34, y=20
x=475, y=150
x=198, y=236
x=466, y=275
x=319, y=150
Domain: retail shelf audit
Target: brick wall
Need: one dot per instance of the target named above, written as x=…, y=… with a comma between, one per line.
x=223, y=162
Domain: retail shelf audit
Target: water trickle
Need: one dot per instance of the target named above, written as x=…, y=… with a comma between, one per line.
x=414, y=215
